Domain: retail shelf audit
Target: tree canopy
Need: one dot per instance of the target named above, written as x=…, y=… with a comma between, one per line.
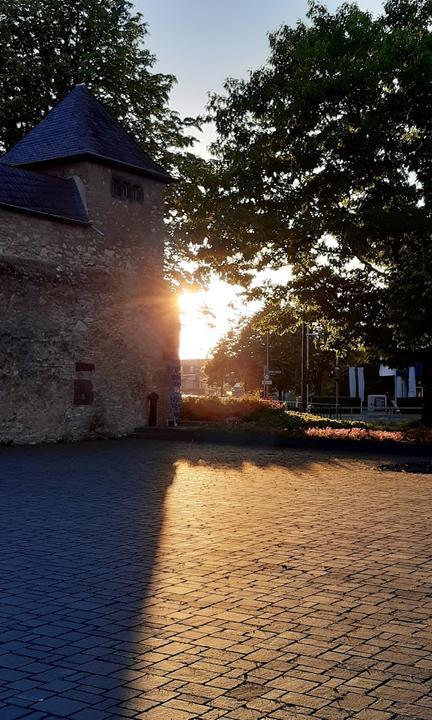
x=48, y=47
x=324, y=161
x=240, y=356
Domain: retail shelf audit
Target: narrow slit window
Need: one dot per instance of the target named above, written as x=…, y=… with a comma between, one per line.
x=126, y=191
x=138, y=194
x=116, y=187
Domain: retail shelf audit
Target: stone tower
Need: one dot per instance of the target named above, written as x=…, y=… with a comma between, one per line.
x=88, y=329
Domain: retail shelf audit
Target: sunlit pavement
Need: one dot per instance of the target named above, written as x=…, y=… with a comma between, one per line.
x=175, y=581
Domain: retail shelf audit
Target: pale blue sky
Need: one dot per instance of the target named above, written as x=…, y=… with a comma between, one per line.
x=204, y=41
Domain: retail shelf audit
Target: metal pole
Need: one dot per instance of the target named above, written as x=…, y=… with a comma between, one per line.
x=266, y=369
x=303, y=367
x=267, y=352
x=307, y=366
x=337, y=382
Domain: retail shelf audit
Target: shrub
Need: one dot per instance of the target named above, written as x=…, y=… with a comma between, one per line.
x=268, y=414
x=356, y=433
x=214, y=409
x=257, y=412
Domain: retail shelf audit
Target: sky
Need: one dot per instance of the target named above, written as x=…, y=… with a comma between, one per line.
x=205, y=316
x=202, y=42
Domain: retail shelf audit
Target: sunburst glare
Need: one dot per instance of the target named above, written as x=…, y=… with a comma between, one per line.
x=205, y=316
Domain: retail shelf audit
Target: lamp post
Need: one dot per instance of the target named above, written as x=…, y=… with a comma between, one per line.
x=337, y=381
x=304, y=366
x=306, y=334
x=266, y=375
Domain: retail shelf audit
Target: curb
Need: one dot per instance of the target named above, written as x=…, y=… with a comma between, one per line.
x=251, y=439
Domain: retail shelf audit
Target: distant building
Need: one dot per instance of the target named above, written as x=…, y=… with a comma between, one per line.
x=89, y=331
x=193, y=378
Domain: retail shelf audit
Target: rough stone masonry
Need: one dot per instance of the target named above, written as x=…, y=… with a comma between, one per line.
x=88, y=328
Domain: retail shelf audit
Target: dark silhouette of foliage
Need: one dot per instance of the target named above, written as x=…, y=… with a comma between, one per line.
x=324, y=160
x=48, y=47
x=240, y=356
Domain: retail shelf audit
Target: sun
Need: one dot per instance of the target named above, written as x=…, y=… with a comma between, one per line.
x=189, y=302
x=205, y=316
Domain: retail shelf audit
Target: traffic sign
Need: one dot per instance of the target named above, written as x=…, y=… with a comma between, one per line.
x=267, y=382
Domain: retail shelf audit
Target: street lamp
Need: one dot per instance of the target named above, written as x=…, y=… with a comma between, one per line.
x=266, y=377
x=306, y=334
x=337, y=381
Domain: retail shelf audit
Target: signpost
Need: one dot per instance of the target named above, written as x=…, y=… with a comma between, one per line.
x=267, y=381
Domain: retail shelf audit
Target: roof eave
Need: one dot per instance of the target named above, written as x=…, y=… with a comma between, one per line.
x=45, y=215
x=162, y=176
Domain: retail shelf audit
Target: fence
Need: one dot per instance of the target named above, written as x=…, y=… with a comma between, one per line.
x=346, y=406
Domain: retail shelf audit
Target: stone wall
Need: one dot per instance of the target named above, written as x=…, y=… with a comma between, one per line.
x=71, y=299
x=122, y=234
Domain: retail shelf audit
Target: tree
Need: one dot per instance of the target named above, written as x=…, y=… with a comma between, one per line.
x=241, y=353
x=221, y=368
x=48, y=47
x=324, y=163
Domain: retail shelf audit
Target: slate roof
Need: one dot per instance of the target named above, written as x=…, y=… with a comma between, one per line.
x=80, y=127
x=54, y=197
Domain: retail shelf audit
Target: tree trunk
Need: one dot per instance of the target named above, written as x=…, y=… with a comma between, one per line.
x=427, y=390
x=318, y=382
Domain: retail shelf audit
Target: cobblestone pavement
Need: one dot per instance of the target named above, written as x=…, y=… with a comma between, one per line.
x=173, y=582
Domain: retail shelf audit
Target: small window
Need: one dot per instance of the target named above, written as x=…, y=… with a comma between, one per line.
x=124, y=190
x=137, y=193
x=84, y=367
x=116, y=187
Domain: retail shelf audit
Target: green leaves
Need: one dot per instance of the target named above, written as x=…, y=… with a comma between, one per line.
x=48, y=47
x=332, y=139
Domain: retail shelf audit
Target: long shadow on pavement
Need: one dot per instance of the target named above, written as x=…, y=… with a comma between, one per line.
x=80, y=529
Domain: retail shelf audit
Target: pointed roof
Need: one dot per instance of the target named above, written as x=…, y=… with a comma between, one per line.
x=46, y=195
x=80, y=127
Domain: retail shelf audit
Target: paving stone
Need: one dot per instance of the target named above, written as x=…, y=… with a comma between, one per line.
x=165, y=712
x=354, y=701
x=12, y=712
x=12, y=661
x=304, y=700
x=61, y=706
x=369, y=714
x=179, y=582
x=90, y=714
